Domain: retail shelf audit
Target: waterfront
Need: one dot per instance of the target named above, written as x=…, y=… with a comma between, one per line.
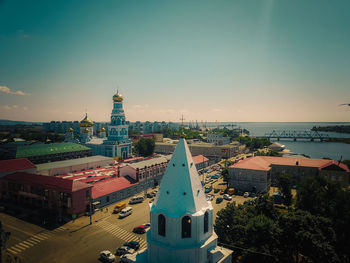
x=333, y=150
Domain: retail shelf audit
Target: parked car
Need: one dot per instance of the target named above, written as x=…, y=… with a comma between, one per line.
x=139, y=230
x=132, y=244
x=146, y=225
x=124, y=250
x=227, y=197
x=219, y=199
x=246, y=194
x=214, y=177
x=222, y=192
x=216, y=190
x=125, y=212
x=231, y=191
x=209, y=197
x=107, y=255
x=136, y=200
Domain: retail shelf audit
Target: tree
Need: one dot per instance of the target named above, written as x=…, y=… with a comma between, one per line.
x=145, y=147
x=306, y=236
x=225, y=174
x=285, y=186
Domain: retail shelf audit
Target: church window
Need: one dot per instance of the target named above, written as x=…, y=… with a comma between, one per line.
x=183, y=165
x=161, y=225
x=186, y=227
x=206, y=222
x=173, y=164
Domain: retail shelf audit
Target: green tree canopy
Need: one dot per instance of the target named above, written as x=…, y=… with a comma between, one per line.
x=145, y=147
x=284, y=183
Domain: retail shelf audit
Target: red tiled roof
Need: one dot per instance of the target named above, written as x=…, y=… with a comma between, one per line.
x=332, y=162
x=109, y=186
x=199, y=159
x=264, y=162
x=253, y=163
x=15, y=165
x=49, y=182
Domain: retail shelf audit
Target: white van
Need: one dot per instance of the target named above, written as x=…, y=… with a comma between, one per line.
x=125, y=212
x=136, y=199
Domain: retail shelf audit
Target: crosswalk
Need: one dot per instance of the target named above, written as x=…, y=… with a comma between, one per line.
x=32, y=241
x=122, y=234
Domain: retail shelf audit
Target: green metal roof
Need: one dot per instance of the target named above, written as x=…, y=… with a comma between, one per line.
x=45, y=149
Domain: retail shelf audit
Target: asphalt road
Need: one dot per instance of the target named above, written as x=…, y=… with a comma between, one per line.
x=78, y=241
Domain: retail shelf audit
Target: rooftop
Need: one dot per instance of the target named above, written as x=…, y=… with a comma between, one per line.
x=65, y=163
x=199, y=159
x=15, y=165
x=49, y=182
x=45, y=149
x=264, y=163
x=109, y=186
x=150, y=162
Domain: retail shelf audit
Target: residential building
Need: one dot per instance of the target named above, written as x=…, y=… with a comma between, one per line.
x=218, y=139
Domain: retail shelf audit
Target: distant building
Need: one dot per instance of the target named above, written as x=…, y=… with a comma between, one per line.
x=16, y=165
x=152, y=127
x=218, y=139
x=261, y=171
x=207, y=149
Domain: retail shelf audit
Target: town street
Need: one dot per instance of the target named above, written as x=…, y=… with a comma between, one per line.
x=78, y=241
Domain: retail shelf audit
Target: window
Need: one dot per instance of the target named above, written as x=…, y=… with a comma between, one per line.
x=206, y=222
x=107, y=199
x=161, y=225
x=186, y=227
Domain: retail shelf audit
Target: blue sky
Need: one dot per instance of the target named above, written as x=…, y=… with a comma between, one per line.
x=224, y=60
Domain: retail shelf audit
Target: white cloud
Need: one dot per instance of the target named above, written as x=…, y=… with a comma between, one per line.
x=14, y=107
x=9, y=91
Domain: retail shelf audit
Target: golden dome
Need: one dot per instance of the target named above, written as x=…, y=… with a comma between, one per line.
x=103, y=129
x=86, y=122
x=70, y=129
x=86, y=130
x=118, y=97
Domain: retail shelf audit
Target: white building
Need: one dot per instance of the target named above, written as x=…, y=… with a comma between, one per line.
x=218, y=139
x=181, y=218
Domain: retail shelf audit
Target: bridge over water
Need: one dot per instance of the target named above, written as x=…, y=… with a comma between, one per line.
x=295, y=135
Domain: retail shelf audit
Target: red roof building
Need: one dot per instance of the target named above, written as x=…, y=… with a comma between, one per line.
x=16, y=165
x=200, y=161
x=46, y=192
x=260, y=171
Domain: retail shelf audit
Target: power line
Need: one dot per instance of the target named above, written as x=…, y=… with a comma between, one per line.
x=246, y=249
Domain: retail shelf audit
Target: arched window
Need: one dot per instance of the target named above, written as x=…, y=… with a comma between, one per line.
x=206, y=222
x=186, y=227
x=161, y=225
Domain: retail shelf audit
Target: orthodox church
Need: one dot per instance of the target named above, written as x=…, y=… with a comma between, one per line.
x=181, y=218
x=117, y=144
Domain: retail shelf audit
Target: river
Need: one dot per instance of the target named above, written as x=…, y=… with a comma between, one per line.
x=316, y=149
